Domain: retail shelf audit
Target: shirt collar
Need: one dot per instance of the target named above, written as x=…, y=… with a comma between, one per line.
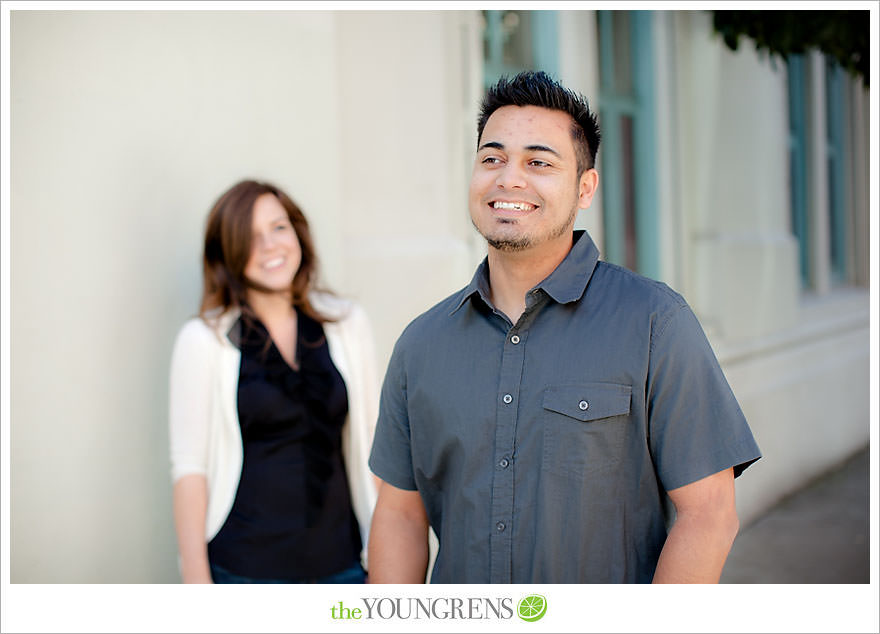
x=479, y=286
x=565, y=284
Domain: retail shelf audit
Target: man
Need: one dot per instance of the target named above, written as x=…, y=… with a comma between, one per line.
x=538, y=418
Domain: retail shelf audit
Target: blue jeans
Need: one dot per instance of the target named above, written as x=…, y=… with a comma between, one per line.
x=354, y=574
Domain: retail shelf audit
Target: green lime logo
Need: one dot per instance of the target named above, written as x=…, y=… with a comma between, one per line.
x=532, y=608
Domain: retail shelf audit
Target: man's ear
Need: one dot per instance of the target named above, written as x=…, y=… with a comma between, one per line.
x=587, y=186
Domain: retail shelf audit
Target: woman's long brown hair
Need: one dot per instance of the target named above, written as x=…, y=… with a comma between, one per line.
x=228, y=248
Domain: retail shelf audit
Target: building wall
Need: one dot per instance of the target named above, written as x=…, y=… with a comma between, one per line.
x=796, y=359
x=407, y=137
x=579, y=70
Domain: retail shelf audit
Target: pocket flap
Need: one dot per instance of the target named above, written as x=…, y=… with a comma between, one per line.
x=588, y=401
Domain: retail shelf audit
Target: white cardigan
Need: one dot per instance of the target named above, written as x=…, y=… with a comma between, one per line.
x=204, y=429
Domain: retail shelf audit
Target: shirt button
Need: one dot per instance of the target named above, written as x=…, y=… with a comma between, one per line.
x=500, y=527
x=504, y=463
x=514, y=339
x=583, y=405
x=507, y=399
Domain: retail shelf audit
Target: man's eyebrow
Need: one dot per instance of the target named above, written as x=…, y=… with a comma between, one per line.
x=491, y=144
x=543, y=148
x=531, y=148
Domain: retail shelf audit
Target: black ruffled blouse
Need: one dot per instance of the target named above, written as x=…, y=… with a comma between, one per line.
x=292, y=517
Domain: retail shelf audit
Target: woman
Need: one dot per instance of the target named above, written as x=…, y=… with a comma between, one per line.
x=273, y=399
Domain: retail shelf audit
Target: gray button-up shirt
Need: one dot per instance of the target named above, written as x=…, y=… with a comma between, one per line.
x=543, y=450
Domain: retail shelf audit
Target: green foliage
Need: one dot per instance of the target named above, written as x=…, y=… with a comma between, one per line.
x=842, y=35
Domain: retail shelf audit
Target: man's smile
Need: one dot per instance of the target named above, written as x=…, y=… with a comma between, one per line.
x=509, y=209
x=513, y=205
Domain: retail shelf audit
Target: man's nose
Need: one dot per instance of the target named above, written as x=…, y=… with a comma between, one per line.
x=511, y=176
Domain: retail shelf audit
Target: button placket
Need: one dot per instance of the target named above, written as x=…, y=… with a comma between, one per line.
x=507, y=412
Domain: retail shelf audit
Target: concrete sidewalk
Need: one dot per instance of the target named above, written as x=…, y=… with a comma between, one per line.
x=819, y=534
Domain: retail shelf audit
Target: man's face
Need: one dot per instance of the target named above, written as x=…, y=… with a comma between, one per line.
x=525, y=190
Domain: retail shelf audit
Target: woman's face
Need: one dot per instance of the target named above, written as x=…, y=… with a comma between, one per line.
x=275, y=251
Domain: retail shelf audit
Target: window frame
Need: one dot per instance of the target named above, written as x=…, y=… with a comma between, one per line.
x=640, y=105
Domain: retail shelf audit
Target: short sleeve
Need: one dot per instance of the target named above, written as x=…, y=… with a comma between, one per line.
x=695, y=425
x=391, y=455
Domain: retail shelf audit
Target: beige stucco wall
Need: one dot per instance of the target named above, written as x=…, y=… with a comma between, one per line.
x=806, y=393
x=407, y=137
x=125, y=128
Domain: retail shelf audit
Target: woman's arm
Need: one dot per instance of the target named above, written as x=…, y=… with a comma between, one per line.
x=190, y=508
x=189, y=421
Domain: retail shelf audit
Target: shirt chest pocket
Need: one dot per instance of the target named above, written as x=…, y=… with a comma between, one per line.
x=585, y=427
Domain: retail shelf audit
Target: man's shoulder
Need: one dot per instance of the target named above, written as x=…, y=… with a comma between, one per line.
x=435, y=319
x=636, y=289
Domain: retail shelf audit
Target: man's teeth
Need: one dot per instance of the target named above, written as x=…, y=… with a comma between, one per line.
x=516, y=206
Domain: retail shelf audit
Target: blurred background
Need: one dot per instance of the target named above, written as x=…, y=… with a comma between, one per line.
x=738, y=177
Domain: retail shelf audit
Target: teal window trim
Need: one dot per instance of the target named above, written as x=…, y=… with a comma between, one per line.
x=545, y=39
x=494, y=36
x=544, y=33
x=797, y=150
x=494, y=66
x=640, y=107
x=646, y=197
x=836, y=157
x=611, y=107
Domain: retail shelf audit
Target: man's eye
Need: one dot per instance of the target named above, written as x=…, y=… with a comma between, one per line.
x=491, y=160
x=538, y=163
